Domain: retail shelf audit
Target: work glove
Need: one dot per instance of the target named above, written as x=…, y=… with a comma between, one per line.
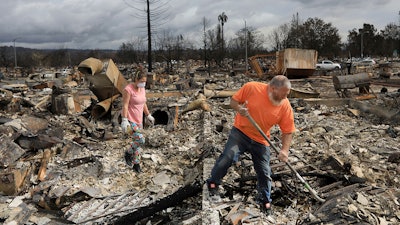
x=150, y=119
x=125, y=124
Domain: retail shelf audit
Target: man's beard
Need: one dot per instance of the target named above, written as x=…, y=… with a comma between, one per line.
x=273, y=101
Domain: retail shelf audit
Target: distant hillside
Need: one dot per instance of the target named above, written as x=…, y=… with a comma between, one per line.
x=27, y=57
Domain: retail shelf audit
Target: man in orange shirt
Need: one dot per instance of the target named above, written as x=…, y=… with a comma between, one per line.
x=269, y=106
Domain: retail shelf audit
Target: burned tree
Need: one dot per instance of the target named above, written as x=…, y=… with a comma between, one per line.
x=155, y=14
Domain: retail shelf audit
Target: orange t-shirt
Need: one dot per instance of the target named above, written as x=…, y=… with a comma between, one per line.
x=263, y=112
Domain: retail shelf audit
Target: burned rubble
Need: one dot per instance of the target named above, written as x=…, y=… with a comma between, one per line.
x=62, y=153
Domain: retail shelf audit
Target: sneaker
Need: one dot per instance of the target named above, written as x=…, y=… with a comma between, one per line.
x=128, y=159
x=213, y=191
x=266, y=208
x=137, y=168
x=212, y=188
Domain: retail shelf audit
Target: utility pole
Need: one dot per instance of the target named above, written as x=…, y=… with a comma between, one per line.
x=362, y=44
x=297, y=30
x=15, y=53
x=245, y=43
x=149, y=48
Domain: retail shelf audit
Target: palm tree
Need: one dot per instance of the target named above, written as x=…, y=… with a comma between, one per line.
x=222, y=18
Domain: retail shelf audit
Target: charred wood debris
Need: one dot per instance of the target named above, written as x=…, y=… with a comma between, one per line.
x=61, y=150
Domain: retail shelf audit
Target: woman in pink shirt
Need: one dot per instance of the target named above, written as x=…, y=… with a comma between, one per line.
x=134, y=105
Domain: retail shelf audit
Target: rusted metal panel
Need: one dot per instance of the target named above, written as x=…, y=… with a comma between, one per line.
x=115, y=76
x=296, y=62
x=103, y=83
x=300, y=58
x=292, y=62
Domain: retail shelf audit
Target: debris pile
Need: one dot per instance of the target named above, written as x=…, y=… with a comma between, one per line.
x=62, y=158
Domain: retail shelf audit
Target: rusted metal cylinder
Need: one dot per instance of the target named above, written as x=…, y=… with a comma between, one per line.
x=101, y=108
x=90, y=66
x=351, y=81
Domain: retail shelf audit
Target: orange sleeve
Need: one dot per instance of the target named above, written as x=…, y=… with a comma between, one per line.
x=287, y=121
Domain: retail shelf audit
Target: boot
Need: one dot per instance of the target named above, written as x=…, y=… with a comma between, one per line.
x=128, y=159
x=137, y=168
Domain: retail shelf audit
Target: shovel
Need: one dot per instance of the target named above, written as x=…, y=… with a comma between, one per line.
x=306, y=185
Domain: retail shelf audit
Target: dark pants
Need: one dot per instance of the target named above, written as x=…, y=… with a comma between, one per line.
x=237, y=144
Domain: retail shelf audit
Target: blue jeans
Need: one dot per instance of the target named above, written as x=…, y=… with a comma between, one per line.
x=237, y=144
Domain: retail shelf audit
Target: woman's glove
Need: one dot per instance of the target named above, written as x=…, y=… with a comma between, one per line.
x=124, y=124
x=150, y=119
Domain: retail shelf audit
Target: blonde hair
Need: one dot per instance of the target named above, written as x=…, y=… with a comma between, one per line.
x=139, y=74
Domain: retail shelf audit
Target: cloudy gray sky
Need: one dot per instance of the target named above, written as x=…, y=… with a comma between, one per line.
x=106, y=24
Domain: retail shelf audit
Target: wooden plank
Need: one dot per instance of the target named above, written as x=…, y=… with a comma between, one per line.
x=11, y=182
x=43, y=166
x=168, y=94
x=330, y=186
x=337, y=192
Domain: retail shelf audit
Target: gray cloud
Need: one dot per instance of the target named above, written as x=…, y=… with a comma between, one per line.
x=105, y=24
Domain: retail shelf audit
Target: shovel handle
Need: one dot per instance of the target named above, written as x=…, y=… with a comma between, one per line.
x=306, y=185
